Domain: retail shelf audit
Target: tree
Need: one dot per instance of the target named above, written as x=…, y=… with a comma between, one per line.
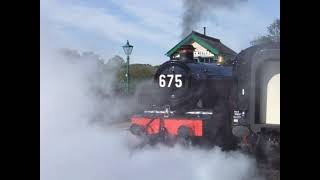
x=88, y=55
x=69, y=53
x=272, y=36
x=115, y=61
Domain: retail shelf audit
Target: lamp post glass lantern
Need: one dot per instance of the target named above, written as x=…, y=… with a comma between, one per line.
x=127, y=48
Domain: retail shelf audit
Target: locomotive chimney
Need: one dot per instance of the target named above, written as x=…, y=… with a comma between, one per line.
x=204, y=30
x=186, y=53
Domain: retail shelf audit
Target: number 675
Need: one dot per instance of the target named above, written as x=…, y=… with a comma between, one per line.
x=176, y=77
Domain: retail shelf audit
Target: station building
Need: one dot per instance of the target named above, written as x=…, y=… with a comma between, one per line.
x=207, y=49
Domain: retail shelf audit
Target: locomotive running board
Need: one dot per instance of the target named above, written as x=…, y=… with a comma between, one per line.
x=173, y=112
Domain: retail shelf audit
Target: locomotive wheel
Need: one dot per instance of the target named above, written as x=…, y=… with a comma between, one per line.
x=268, y=153
x=137, y=130
x=184, y=136
x=184, y=132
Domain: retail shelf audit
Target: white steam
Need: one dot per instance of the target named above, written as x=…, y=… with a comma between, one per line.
x=74, y=149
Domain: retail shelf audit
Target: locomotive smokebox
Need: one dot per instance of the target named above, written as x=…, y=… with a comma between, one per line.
x=186, y=53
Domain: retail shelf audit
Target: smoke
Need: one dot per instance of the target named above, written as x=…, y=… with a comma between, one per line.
x=195, y=10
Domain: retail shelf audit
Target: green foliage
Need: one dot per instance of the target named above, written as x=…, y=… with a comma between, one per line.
x=272, y=36
x=138, y=73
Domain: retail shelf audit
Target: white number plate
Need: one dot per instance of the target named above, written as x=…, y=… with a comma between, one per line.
x=176, y=78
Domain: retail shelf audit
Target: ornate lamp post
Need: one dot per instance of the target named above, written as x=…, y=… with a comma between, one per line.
x=127, y=48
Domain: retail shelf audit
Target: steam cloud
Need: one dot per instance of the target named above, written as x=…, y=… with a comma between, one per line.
x=194, y=10
x=74, y=148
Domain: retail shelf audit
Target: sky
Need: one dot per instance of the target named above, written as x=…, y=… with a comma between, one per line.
x=152, y=27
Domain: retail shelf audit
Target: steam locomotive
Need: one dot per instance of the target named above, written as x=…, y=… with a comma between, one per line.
x=201, y=103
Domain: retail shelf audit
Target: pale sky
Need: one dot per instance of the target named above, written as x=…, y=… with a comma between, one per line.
x=152, y=27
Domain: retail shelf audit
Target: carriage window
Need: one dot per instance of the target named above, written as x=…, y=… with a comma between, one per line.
x=273, y=100
x=267, y=93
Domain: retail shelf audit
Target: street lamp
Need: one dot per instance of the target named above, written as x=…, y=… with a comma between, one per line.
x=127, y=50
